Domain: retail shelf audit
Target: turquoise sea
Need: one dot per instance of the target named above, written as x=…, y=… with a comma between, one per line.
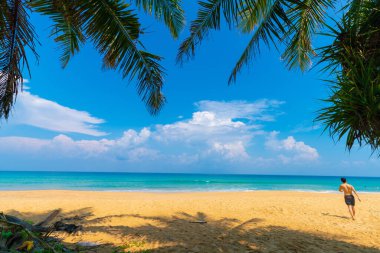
x=175, y=182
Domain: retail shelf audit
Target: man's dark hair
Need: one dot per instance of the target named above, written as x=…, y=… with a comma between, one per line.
x=343, y=179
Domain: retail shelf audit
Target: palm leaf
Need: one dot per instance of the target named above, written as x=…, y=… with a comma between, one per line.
x=353, y=110
x=3, y=9
x=115, y=30
x=306, y=16
x=67, y=24
x=169, y=11
x=209, y=18
x=268, y=20
x=17, y=36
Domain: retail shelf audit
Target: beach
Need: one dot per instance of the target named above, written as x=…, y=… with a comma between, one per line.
x=257, y=221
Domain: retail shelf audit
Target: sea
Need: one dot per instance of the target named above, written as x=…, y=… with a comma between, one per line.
x=161, y=182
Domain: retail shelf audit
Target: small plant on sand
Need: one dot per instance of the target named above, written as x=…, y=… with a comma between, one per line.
x=17, y=235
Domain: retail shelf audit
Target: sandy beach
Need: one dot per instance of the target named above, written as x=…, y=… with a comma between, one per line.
x=236, y=221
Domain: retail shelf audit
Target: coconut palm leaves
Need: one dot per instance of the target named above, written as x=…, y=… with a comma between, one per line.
x=67, y=24
x=268, y=21
x=111, y=25
x=306, y=17
x=115, y=31
x=209, y=17
x=354, y=58
x=289, y=22
x=168, y=11
x=17, y=35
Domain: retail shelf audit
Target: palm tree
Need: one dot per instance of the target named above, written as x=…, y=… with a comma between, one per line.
x=111, y=25
x=353, y=58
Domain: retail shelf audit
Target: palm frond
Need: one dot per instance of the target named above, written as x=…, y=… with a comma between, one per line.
x=169, y=11
x=353, y=110
x=115, y=30
x=3, y=9
x=306, y=16
x=268, y=20
x=67, y=24
x=209, y=18
x=17, y=36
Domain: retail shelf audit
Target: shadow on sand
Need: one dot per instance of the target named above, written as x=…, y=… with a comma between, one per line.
x=177, y=234
x=336, y=216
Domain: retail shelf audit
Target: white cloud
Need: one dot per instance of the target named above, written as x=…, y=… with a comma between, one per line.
x=15, y=143
x=221, y=122
x=46, y=114
x=64, y=146
x=218, y=133
x=261, y=110
x=293, y=150
x=231, y=151
x=131, y=137
x=203, y=126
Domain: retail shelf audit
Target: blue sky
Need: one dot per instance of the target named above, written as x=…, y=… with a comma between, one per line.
x=85, y=119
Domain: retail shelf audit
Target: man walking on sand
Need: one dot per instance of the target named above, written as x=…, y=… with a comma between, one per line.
x=348, y=196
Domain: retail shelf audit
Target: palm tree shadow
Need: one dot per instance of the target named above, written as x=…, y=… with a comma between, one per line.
x=177, y=233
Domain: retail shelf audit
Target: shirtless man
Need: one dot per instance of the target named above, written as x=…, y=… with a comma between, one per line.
x=348, y=196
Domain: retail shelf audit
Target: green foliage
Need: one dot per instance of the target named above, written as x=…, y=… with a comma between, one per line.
x=306, y=18
x=67, y=25
x=6, y=234
x=353, y=110
x=169, y=11
x=292, y=23
x=58, y=247
x=24, y=235
x=16, y=36
x=16, y=236
x=268, y=21
x=114, y=30
x=208, y=18
x=111, y=25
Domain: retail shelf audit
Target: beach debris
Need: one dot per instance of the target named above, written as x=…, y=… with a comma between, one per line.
x=42, y=226
x=17, y=235
x=22, y=223
x=49, y=218
x=68, y=228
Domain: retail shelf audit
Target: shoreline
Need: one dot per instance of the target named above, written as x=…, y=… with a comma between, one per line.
x=184, y=191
